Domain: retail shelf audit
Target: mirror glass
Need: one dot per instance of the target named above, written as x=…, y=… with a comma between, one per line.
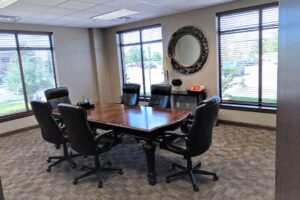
x=187, y=50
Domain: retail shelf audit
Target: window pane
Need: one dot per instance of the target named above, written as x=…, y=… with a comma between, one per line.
x=26, y=40
x=153, y=65
x=38, y=73
x=270, y=16
x=11, y=90
x=239, y=60
x=7, y=40
x=130, y=37
x=269, y=66
x=151, y=34
x=133, y=66
x=240, y=20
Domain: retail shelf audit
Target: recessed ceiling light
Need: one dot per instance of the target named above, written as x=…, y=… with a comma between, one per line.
x=7, y=18
x=115, y=14
x=5, y=3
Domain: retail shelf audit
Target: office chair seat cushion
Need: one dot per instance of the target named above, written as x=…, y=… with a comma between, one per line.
x=176, y=145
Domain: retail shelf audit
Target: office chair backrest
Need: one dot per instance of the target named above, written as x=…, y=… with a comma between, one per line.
x=200, y=134
x=80, y=134
x=56, y=96
x=1, y=191
x=131, y=94
x=160, y=96
x=50, y=129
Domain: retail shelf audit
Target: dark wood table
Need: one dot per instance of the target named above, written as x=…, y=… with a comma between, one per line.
x=140, y=121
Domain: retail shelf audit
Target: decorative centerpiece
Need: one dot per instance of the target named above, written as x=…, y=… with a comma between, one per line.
x=176, y=83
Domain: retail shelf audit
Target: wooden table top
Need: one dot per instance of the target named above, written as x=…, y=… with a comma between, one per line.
x=142, y=118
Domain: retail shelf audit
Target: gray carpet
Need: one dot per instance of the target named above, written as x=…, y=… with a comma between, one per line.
x=244, y=159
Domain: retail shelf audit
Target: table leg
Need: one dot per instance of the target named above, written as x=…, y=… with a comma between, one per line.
x=149, y=149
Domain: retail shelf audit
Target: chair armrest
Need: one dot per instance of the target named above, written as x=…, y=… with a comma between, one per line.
x=99, y=136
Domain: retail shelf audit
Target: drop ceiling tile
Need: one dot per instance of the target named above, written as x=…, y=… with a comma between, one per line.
x=149, y=8
x=27, y=7
x=164, y=2
x=83, y=14
x=59, y=11
x=121, y=3
x=76, y=5
x=14, y=13
x=100, y=9
x=43, y=17
x=95, y=1
x=44, y=2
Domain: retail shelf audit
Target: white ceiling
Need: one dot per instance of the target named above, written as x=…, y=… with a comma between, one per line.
x=78, y=13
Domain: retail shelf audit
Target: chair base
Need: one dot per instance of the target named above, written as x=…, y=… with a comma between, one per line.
x=59, y=159
x=190, y=170
x=65, y=157
x=97, y=170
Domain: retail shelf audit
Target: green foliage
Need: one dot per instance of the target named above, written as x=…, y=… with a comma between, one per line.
x=36, y=73
x=228, y=76
x=270, y=45
x=133, y=55
x=156, y=56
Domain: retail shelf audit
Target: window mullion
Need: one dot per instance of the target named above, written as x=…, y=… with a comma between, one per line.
x=260, y=52
x=142, y=62
x=22, y=72
x=52, y=58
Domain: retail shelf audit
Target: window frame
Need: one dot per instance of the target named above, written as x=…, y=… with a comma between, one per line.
x=18, y=50
x=140, y=43
x=244, y=105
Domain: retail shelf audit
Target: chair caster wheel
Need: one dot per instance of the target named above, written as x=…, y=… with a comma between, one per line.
x=82, y=168
x=75, y=182
x=73, y=166
x=48, y=160
x=195, y=188
x=48, y=170
x=216, y=178
x=168, y=180
x=121, y=172
x=100, y=185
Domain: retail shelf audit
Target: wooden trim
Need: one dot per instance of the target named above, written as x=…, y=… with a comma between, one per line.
x=1, y=191
x=2, y=135
x=242, y=124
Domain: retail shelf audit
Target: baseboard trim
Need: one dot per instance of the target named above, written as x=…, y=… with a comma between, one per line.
x=2, y=135
x=246, y=125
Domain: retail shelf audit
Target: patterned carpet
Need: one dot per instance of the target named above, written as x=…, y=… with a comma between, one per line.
x=244, y=159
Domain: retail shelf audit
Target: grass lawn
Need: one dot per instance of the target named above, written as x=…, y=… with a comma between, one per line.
x=11, y=107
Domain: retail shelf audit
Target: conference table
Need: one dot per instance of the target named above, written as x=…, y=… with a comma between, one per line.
x=143, y=122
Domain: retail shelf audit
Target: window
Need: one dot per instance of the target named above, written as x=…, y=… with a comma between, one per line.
x=248, y=56
x=142, y=57
x=26, y=70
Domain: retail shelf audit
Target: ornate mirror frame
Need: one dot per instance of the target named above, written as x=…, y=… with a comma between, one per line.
x=193, y=31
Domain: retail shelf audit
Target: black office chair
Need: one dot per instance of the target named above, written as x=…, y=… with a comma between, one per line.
x=83, y=140
x=131, y=94
x=160, y=96
x=196, y=142
x=51, y=132
x=56, y=96
x=1, y=191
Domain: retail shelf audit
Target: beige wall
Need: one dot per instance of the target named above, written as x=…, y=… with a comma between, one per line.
x=205, y=20
x=74, y=65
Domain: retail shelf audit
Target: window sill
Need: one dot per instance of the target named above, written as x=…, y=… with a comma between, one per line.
x=15, y=116
x=250, y=108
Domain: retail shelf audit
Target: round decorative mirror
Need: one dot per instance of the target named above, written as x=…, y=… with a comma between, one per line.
x=188, y=50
